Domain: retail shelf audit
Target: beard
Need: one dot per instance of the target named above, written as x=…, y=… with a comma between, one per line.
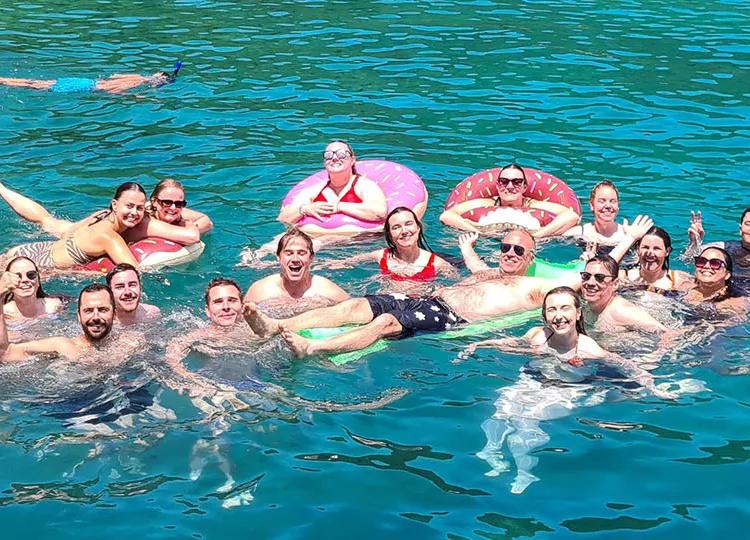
x=97, y=337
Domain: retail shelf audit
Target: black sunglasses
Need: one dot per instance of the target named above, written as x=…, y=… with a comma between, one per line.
x=600, y=278
x=518, y=250
x=170, y=202
x=713, y=264
x=518, y=182
x=31, y=274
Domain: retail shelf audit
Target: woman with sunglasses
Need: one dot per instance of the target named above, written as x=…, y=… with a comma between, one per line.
x=166, y=219
x=713, y=282
x=104, y=233
x=28, y=300
x=548, y=388
x=407, y=257
x=512, y=184
x=346, y=192
x=739, y=250
x=168, y=204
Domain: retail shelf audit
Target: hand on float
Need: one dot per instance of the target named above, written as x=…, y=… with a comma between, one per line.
x=695, y=231
x=9, y=281
x=639, y=227
x=467, y=240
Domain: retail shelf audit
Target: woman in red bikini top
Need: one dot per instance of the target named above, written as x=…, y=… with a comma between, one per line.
x=407, y=257
x=346, y=192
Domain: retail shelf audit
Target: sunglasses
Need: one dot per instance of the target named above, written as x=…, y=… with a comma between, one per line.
x=600, y=278
x=170, y=202
x=713, y=264
x=518, y=250
x=339, y=154
x=31, y=275
x=517, y=182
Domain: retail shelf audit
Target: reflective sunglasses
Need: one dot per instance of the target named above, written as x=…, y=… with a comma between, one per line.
x=170, y=202
x=600, y=278
x=713, y=264
x=30, y=275
x=518, y=250
x=517, y=182
x=339, y=154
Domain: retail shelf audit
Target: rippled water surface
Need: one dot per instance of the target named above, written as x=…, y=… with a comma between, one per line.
x=651, y=95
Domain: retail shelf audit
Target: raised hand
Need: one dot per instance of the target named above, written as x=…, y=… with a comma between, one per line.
x=8, y=281
x=695, y=231
x=639, y=227
x=467, y=240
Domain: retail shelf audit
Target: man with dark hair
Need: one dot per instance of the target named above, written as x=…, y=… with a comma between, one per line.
x=96, y=311
x=125, y=283
x=295, y=281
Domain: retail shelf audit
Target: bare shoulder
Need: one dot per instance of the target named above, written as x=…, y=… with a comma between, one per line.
x=264, y=288
x=151, y=311
x=322, y=286
x=537, y=336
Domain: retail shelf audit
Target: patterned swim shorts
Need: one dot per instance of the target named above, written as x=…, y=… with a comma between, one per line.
x=417, y=314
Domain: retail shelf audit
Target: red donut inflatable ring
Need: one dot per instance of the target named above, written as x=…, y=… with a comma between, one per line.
x=152, y=253
x=542, y=186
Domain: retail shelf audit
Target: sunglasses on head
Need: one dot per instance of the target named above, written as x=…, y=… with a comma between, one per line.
x=170, y=202
x=518, y=250
x=713, y=264
x=31, y=274
x=600, y=278
x=517, y=182
x=328, y=155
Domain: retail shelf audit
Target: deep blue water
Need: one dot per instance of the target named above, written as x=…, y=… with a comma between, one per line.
x=650, y=95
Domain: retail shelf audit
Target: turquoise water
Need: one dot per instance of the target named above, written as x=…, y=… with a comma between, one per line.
x=651, y=96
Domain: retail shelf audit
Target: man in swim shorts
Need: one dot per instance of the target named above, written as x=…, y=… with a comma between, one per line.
x=517, y=251
x=295, y=281
x=96, y=311
x=125, y=283
x=484, y=296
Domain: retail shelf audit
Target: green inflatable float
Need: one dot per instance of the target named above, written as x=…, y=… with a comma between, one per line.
x=539, y=268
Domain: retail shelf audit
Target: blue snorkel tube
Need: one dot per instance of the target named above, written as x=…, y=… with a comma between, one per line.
x=171, y=77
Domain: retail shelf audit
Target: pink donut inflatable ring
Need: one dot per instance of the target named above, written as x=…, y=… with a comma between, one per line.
x=152, y=253
x=401, y=185
x=542, y=186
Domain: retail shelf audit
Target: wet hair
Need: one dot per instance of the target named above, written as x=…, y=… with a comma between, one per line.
x=611, y=265
x=169, y=77
x=580, y=326
x=122, y=267
x=664, y=235
x=288, y=236
x=351, y=151
x=122, y=188
x=421, y=242
x=164, y=184
x=8, y=296
x=93, y=288
x=603, y=183
x=729, y=265
x=744, y=213
x=220, y=282
x=515, y=167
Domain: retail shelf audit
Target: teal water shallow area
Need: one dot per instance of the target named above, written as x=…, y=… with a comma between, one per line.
x=651, y=95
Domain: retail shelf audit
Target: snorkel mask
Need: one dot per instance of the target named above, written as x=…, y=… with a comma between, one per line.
x=171, y=77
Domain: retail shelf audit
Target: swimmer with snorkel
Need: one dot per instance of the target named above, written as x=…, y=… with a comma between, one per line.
x=114, y=84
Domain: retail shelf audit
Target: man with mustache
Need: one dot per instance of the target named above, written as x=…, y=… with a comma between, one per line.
x=96, y=311
x=125, y=283
x=295, y=282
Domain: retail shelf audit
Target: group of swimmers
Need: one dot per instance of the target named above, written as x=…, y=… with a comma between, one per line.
x=488, y=293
